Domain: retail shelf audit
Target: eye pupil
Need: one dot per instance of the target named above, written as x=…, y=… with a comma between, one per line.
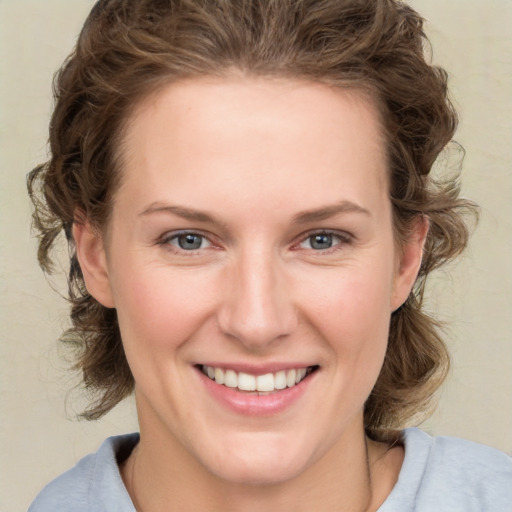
x=190, y=241
x=321, y=241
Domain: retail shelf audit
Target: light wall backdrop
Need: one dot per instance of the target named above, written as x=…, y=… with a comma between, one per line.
x=40, y=437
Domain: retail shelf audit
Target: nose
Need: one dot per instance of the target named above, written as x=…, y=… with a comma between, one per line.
x=257, y=308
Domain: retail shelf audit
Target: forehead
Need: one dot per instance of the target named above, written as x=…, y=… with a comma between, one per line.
x=269, y=134
x=257, y=98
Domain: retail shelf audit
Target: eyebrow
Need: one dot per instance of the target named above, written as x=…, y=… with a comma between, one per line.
x=181, y=211
x=328, y=212
x=304, y=217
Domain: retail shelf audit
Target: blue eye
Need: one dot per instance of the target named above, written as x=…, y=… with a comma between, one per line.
x=321, y=241
x=189, y=241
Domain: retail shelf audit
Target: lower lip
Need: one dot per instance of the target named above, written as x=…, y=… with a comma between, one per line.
x=255, y=405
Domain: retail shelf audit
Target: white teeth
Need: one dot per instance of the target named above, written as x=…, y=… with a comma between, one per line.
x=290, y=378
x=230, y=379
x=246, y=382
x=264, y=383
x=280, y=380
x=219, y=375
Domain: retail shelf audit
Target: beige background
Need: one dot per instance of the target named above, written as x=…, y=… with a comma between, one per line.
x=40, y=439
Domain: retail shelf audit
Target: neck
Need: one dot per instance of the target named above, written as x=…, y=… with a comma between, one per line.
x=355, y=475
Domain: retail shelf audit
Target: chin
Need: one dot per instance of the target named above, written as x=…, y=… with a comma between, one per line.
x=256, y=474
x=260, y=463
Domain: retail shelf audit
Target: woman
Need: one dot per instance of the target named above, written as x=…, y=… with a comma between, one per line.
x=245, y=189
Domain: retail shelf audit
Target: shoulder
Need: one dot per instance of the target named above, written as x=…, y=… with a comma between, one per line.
x=94, y=479
x=450, y=474
x=459, y=458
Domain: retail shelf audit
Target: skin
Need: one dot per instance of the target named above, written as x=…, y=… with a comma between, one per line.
x=254, y=155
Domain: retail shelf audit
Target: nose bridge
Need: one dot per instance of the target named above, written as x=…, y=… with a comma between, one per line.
x=257, y=308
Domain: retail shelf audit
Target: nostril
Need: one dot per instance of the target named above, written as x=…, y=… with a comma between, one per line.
x=258, y=326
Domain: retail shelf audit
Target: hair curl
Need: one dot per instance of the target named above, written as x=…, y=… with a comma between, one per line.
x=128, y=49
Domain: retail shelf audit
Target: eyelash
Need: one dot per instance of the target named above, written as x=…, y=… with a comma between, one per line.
x=343, y=238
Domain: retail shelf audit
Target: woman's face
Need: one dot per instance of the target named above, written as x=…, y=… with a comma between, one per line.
x=251, y=242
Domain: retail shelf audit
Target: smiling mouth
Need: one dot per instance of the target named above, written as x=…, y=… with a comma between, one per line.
x=257, y=384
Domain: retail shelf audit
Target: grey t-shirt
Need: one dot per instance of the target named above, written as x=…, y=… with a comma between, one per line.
x=439, y=474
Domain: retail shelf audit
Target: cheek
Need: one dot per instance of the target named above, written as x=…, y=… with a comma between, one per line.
x=160, y=309
x=351, y=307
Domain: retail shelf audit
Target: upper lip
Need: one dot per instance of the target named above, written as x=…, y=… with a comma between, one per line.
x=256, y=369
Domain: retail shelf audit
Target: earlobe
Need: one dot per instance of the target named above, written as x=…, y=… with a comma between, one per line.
x=410, y=262
x=91, y=255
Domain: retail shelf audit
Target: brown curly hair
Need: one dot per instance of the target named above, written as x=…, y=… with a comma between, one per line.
x=128, y=49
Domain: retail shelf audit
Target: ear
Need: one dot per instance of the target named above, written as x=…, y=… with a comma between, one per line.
x=91, y=255
x=409, y=262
